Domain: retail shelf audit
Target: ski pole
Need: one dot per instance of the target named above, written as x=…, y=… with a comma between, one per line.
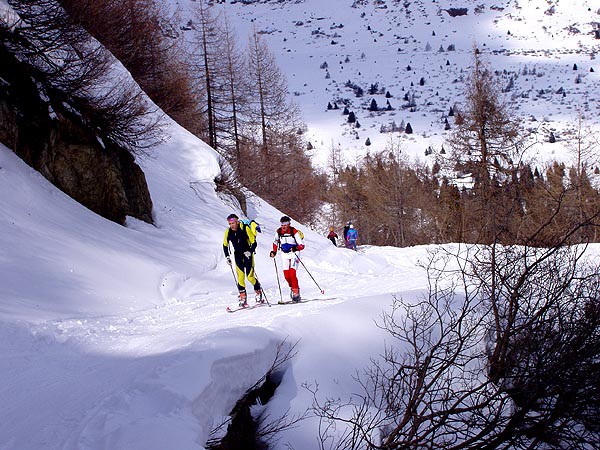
x=266, y=299
x=307, y=271
x=278, y=284
x=231, y=267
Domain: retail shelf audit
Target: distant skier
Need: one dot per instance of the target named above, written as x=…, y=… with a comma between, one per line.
x=243, y=239
x=351, y=237
x=290, y=241
x=332, y=236
x=346, y=228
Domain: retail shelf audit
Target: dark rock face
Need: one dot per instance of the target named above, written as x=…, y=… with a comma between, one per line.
x=51, y=137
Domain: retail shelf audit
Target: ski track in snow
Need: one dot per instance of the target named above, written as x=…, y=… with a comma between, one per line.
x=140, y=361
x=180, y=321
x=117, y=337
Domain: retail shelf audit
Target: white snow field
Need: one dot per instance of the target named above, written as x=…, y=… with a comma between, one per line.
x=118, y=337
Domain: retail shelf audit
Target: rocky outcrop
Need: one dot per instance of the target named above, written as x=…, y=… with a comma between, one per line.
x=44, y=129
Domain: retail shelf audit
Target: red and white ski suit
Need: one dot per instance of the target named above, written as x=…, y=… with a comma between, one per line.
x=289, y=243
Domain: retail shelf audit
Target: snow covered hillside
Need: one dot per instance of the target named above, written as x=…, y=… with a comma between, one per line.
x=117, y=337
x=419, y=52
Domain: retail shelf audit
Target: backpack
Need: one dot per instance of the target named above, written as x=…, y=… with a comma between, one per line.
x=253, y=225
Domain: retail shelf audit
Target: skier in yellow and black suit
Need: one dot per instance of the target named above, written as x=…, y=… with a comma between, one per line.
x=243, y=239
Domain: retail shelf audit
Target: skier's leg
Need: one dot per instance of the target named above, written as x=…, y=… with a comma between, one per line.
x=286, y=264
x=241, y=276
x=249, y=268
x=252, y=278
x=294, y=279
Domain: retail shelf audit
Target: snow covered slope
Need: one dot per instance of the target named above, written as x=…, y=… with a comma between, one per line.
x=323, y=45
x=117, y=337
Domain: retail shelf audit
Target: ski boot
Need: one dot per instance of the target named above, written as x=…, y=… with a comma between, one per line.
x=296, y=295
x=260, y=297
x=243, y=302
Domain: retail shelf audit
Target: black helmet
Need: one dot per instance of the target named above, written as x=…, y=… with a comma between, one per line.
x=285, y=220
x=232, y=217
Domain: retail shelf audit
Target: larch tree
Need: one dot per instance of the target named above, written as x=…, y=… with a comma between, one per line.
x=334, y=164
x=208, y=63
x=236, y=92
x=139, y=33
x=486, y=143
x=582, y=145
x=272, y=110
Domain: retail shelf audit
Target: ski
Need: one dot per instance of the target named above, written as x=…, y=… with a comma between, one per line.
x=304, y=300
x=232, y=309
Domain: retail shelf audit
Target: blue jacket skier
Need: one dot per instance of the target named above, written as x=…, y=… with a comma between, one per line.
x=351, y=237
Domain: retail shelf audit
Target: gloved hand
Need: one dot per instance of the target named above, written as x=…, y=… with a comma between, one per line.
x=272, y=254
x=247, y=254
x=300, y=247
x=229, y=260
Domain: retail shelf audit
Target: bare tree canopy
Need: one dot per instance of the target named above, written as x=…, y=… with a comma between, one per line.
x=69, y=64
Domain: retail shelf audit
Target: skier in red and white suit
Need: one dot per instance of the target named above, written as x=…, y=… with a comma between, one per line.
x=289, y=240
